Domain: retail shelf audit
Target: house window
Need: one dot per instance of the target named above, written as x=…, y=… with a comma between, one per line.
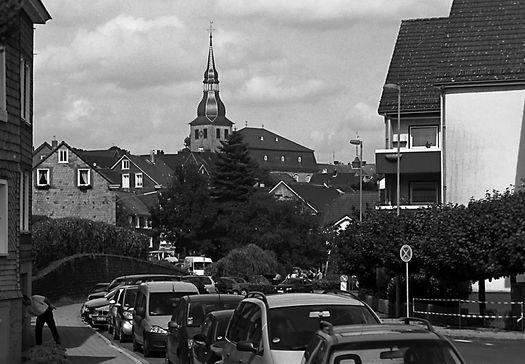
x=196, y=133
x=225, y=133
x=125, y=164
x=137, y=222
x=205, y=134
x=425, y=192
x=3, y=97
x=138, y=180
x=25, y=88
x=144, y=222
x=83, y=177
x=218, y=133
x=265, y=158
x=24, y=201
x=262, y=138
x=299, y=159
x=125, y=180
x=282, y=158
x=423, y=136
x=63, y=156
x=4, y=236
x=42, y=177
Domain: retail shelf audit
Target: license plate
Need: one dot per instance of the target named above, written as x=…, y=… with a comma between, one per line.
x=100, y=318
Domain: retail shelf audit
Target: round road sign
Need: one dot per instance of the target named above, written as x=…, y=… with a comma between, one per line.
x=405, y=253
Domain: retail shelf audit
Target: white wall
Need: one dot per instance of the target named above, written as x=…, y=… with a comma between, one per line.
x=483, y=131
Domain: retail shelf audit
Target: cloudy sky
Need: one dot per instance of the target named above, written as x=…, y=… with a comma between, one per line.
x=129, y=72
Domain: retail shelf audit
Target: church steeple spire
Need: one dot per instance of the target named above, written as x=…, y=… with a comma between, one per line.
x=211, y=77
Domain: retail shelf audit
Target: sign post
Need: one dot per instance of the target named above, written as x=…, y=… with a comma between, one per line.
x=406, y=254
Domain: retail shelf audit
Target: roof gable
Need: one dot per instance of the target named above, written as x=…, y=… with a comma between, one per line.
x=414, y=60
x=260, y=138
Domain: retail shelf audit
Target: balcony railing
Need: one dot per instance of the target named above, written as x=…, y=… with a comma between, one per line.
x=412, y=160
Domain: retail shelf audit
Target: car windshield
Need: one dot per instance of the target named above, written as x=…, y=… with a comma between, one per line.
x=291, y=328
x=395, y=352
x=198, y=310
x=129, y=300
x=162, y=303
x=199, y=265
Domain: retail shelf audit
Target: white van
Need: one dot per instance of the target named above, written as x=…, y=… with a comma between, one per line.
x=196, y=265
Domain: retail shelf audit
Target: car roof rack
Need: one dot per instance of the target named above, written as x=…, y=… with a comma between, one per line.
x=258, y=295
x=407, y=320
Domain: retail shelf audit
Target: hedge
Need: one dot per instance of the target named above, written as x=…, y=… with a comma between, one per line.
x=54, y=239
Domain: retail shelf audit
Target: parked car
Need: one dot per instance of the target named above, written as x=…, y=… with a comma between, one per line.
x=122, y=314
x=141, y=278
x=276, y=329
x=208, y=343
x=96, y=311
x=99, y=290
x=294, y=285
x=392, y=343
x=153, y=308
x=187, y=319
x=232, y=285
x=206, y=281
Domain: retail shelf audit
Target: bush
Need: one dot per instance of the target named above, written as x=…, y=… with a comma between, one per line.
x=48, y=353
x=58, y=238
x=324, y=284
x=248, y=261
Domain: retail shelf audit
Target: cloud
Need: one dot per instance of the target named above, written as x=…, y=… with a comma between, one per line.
x=330, y=13
x=261, y=90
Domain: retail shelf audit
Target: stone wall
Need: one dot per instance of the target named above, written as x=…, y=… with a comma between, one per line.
x=74, y=276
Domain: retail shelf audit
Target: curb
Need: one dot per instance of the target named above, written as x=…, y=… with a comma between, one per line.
x=124, y=352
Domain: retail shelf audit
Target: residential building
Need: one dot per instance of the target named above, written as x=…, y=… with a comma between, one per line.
x=462, y=88
x=16, y=136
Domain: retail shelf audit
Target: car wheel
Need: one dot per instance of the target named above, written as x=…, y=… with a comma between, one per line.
x=145, y=347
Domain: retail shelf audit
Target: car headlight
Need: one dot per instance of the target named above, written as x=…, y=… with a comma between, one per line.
x=288, y=288
x=127, y=315
x=158, y=330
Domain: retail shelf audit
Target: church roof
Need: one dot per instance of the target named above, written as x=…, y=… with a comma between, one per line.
x=260, y=138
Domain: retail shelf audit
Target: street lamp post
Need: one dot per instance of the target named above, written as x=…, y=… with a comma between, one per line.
x=359, y=142
x=398, y=157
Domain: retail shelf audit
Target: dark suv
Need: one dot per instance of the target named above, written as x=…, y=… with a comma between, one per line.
x=386, y=343
x=188, y=317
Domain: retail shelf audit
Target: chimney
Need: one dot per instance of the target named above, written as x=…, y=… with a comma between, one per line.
x=54, y=142
x=152, y=156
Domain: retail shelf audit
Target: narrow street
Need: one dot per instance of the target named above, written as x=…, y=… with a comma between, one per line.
x=86, y=345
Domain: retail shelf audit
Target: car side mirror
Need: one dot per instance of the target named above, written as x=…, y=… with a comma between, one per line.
x=246, y=346
x=200, y=339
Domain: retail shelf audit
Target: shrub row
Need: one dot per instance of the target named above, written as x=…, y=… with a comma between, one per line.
x=57, y=238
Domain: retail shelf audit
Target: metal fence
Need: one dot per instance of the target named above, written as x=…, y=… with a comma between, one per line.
x=466, y=314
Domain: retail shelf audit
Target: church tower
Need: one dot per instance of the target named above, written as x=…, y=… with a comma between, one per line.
x=211, y=126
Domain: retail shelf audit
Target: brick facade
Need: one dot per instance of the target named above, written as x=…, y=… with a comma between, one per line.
x=64, y=198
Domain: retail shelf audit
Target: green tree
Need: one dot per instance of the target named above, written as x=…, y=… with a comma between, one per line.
x=185, y=214
x=234, y=176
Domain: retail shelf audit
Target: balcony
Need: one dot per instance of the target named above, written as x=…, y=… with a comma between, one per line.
x=412, y=160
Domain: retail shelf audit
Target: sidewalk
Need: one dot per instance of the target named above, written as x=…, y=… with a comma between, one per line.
x=82, y=343
x=480, y=333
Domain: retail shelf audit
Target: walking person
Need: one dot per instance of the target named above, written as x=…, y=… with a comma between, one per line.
x=40, y=307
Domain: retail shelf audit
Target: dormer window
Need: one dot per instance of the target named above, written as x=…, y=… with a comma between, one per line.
x=42, y=177
x=84, y=178
x=265, y=158
x=63, y=156
x=125, y=164
x=139, y=183
x=276, y=139
x=282, y=158
x=262, y=138
x=299, y=159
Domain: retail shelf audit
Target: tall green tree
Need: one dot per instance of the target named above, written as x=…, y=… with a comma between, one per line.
x=185, y=213
x=234, y=176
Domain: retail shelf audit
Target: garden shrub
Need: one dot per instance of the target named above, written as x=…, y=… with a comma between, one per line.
x=58, y=238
